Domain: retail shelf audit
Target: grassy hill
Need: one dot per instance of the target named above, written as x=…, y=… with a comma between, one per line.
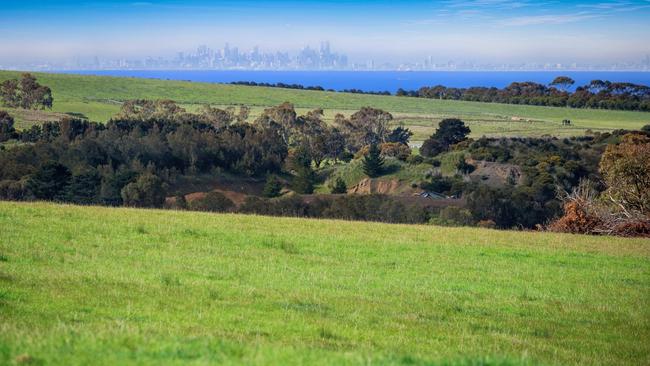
x=99, y=97
x=89, y=285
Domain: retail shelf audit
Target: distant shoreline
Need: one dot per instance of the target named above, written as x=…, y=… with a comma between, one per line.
x=375, y=81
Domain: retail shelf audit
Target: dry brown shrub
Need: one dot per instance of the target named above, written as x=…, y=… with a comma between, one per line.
x=585, y=214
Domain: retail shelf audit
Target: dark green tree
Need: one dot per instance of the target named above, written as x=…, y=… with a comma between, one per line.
x=272, y=187
x=373, y=163
x=339, y=186
x=50, y=182
x=451, y=131
x=84, y=188
x=7, y=130
x=304, y=177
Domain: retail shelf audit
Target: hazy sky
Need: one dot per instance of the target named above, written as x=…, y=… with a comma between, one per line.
x=477, y=30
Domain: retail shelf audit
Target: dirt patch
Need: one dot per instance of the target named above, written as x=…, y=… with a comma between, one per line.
x=369, y=185
x=495, y=174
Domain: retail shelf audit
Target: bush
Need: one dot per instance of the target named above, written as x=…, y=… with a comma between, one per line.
x=453, y=216
x=415, y=159
x=396, y=150
x=214, y=202
x=339, y=186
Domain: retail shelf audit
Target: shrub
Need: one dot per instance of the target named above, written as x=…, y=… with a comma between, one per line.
x=213, y=201
x=396, y=150
x=453, y=216
x=415, y=159
x=339, y=186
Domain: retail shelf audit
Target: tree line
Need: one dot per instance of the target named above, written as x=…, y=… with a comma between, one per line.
x=598, y=94
x=302, y=87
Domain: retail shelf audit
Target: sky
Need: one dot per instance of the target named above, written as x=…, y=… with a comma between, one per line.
x=480, y=31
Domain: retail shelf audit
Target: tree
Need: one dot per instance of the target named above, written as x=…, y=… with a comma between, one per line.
x=373, y=163
x=25, y=93
x=339, y=186
x=626, y=170
x=7, y=130
x=146, y=191
x=50, y=181
x=304, y=177
x=365, y=127
x=563, y=82
x=9, y=93
x=84, y=188
x=451, y=131
x=272, y=187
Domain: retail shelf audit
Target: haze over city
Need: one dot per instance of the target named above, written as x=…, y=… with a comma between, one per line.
x=608, y=34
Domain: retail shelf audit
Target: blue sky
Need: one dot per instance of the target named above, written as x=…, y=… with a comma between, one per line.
x=476, y=30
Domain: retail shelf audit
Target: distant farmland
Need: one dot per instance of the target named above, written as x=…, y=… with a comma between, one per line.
x=99, y=98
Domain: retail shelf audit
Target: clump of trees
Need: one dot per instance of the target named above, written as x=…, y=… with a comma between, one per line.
x=25, y=93
x=149, y=145
x=597, y=94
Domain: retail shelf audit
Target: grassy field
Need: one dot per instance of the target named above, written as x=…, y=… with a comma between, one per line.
x=89, y=285
x=99, y=98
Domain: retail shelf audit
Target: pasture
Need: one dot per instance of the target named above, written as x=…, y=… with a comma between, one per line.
x=90, y=285
x=100, y=97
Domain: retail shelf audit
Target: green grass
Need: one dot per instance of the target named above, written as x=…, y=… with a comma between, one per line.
x=90, y=285
x=99, y=98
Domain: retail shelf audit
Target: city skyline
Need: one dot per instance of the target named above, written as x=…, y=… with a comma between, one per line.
x=231, y=57
x=476, y=32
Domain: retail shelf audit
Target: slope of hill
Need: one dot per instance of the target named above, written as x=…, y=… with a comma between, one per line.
x=89, y=285
x=99, y=98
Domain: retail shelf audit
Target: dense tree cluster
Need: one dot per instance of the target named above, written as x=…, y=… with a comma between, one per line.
x=150, y=144
x=25, y=93
x=128, y=160
x=597, y=94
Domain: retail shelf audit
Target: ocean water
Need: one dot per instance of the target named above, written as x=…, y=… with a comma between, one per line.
x=379, y=80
